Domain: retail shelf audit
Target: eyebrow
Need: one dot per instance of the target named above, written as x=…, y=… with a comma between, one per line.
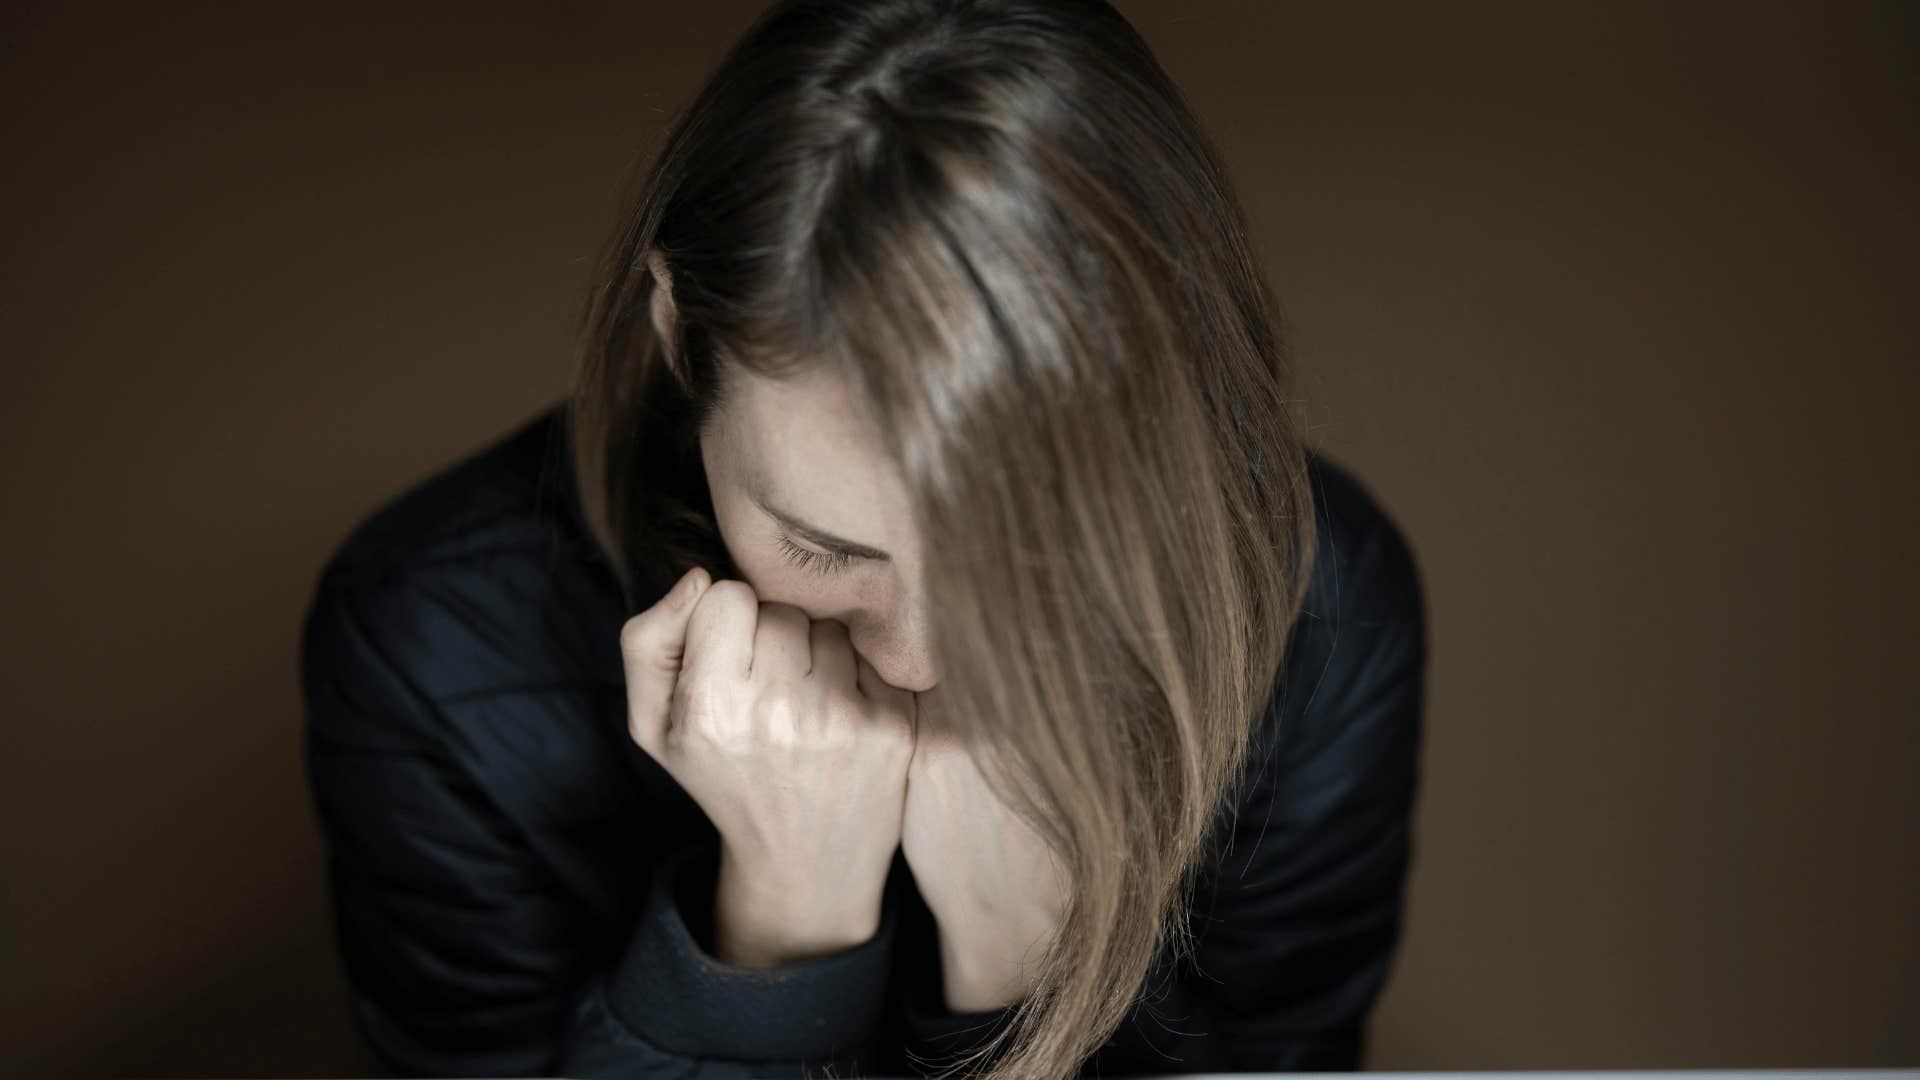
x=756, y=491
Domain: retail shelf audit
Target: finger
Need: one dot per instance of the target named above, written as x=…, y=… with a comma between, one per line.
x=780, y=641
x=833, y=656
x=652, y=647
x=720, y=635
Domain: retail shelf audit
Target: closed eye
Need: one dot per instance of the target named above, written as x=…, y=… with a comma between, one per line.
x=813, y=561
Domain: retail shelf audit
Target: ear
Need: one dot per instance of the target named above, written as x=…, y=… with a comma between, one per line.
x=661, y=307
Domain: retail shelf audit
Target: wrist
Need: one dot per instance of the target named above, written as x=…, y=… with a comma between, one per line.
x=761, y=921
x=980, y=973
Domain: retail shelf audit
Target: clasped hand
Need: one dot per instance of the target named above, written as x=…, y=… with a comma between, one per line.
x=814, y=771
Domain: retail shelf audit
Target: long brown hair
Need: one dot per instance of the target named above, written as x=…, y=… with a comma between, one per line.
x=1000, y=222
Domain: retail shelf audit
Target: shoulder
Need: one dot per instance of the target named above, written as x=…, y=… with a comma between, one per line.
x=496, y=500
x=468, y=621
x=475, y=579
x=1364, y=570
x=1356, y=656
x=1332, y=767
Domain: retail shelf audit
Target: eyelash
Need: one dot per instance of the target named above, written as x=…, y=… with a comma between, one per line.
x=813, y=561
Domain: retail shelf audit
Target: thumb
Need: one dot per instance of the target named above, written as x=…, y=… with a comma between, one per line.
x=652, y=644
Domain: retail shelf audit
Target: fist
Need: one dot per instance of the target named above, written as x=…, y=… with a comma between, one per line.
x=789, y=741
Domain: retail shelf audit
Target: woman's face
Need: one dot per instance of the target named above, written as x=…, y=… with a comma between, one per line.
x=814, y=514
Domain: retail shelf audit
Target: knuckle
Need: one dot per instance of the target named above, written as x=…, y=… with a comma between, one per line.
x=778, y=709
x=693, y=710
x=729, y=592
x=774, y=715
x=776, y=698
x=634, y=633
x=707, y=728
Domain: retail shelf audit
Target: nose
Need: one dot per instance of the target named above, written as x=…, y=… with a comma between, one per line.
x=899, y=648
x=901, y=668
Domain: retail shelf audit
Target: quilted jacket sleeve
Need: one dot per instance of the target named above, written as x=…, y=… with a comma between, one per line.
x=463, y=954
x=1300, y=922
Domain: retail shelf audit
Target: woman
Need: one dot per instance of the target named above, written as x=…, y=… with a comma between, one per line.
x=922, y=641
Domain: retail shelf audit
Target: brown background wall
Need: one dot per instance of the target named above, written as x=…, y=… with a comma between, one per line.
x=1609, y=304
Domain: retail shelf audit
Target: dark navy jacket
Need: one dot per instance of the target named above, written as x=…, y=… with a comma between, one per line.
x=519, y=889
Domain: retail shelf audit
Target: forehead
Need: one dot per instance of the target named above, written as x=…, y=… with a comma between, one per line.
x=808, y=410
x=799, y=439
